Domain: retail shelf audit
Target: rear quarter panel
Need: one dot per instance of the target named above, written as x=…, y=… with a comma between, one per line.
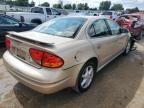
x=75, y=52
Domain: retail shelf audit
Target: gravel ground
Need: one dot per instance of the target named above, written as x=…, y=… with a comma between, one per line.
x=118, y=85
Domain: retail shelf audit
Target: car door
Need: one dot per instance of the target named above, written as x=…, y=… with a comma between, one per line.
x=102, y=41
x=49, y=14
x=120, y=37
x=8, y=24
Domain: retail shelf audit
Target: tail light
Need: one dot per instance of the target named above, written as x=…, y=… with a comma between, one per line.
x=46, y=59
x=8, y=43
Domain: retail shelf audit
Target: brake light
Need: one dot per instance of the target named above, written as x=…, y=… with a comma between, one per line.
x=7, y=43
x=36, y=55
x=46, y=59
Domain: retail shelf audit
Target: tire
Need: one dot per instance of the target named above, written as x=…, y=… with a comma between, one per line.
x=85, y=77
x=141, y=35
x=36, y=21
x=128, y=48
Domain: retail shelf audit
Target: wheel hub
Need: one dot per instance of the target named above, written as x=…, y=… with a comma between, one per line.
x=87, y=77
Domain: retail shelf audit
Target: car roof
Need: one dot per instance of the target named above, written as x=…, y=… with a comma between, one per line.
x=87, y=17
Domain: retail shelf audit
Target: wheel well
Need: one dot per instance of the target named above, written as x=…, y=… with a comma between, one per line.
x=38, y=21
x=94, y=59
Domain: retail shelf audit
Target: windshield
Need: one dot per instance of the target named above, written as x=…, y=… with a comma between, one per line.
x=64, y=27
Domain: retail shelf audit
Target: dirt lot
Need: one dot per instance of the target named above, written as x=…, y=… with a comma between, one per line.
x=118, y=85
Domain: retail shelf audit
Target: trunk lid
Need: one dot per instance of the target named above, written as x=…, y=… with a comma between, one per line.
x=41, y=37
x=22, y=42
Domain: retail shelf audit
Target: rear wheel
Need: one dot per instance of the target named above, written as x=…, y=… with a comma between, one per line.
x=36, y=21
x=85, y=77
x=141, y=35
x=128, y=48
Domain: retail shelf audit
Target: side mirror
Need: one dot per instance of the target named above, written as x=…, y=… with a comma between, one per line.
x=20, y=24
x=22, y=19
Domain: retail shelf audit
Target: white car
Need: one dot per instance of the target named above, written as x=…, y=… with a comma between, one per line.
x=37, y=15
x=109, y=14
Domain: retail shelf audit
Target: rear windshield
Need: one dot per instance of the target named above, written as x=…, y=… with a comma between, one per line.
x=64, y=27
x=107, y=13
x=37, y=10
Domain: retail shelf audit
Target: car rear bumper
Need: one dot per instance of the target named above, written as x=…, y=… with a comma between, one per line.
x=41, y=81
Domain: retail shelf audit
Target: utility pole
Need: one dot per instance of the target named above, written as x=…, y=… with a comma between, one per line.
x=5, y=5
x=39, y=3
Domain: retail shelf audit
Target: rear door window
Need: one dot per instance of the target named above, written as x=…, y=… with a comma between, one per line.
x=115, y=29
x=98, y=29
x=91, y=31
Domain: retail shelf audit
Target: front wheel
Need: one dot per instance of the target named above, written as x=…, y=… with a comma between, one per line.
x=128, y=47
x=85, y=77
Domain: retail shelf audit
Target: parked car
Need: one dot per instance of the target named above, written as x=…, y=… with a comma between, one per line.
x=37, y=15
x=134, y=23
x=79, y=14
x=110, y=14
x=8, y=23
x=64, y=52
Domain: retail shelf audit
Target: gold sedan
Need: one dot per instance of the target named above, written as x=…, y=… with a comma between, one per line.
x=64, y=52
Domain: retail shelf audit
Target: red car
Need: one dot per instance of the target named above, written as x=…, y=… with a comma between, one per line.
x=134, y=23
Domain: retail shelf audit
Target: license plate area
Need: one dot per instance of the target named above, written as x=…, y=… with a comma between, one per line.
x=21, y=54
x=19, y=50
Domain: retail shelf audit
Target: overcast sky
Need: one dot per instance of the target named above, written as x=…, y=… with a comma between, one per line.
x=95, y=3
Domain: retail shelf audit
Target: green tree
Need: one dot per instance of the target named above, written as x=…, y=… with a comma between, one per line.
x=59, y=6
x=136, y=9
x=9, y=2
x=105, y=5
x=45, y=4
x=74, y=6
x=21, y=2
x=86, y=6
x=68, y=6
x=1, y=1
x=116, y=7
x=93, y=8
x=32, y=4
x=81, y=6
x=133, y=10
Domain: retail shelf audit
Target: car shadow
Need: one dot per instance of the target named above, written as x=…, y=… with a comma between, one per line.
x=114, y=87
